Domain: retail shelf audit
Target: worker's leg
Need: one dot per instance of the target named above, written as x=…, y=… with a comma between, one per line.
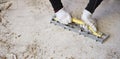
x=87, y=13
x=56, y=4
x=62, y=16
x=92, y=5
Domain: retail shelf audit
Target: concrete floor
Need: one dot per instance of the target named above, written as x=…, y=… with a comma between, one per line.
x=26, y=33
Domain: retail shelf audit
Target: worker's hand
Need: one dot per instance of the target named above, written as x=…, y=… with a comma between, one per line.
x=87, y=18
x=63, y=16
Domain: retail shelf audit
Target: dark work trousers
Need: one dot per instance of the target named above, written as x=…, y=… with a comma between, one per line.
x=92, y=5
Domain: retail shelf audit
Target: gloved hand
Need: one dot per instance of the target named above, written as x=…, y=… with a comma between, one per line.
x=87, y=18
x=63, y=16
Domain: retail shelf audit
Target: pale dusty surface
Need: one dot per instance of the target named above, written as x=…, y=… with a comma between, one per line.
x=27, y=34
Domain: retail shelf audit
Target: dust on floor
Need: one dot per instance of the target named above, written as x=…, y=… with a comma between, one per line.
x=27, y=34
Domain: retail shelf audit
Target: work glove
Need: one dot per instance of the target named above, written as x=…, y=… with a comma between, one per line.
x=63, y=16
x=87, y=18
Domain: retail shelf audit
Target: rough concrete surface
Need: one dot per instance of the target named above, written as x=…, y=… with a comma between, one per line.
x=25, y=32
